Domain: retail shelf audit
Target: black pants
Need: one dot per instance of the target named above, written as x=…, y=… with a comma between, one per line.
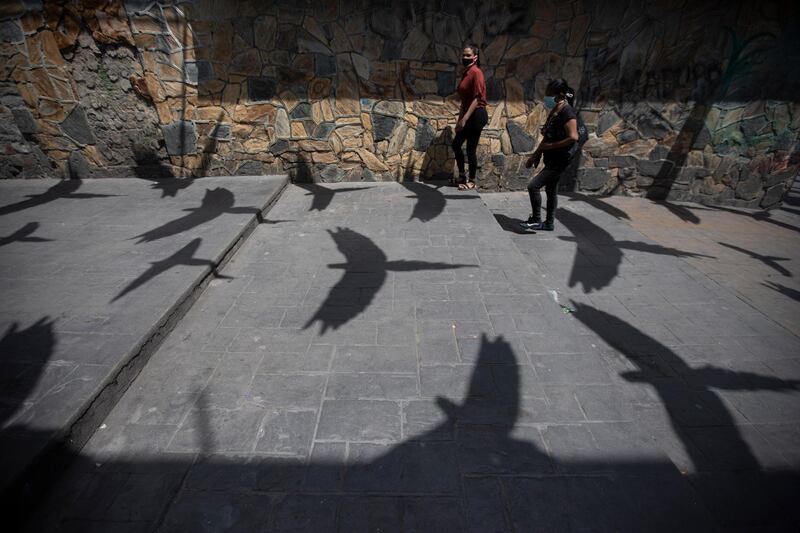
x=470, y=133
x=547, y=178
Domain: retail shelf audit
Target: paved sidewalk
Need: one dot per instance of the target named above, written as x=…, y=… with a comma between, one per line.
x=756, y=254
x=387, y=357
x=89, y=272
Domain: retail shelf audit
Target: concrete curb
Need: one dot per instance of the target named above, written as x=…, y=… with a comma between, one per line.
x=21, y=493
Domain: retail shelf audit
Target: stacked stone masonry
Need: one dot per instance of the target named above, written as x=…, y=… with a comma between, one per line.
x=683, y=100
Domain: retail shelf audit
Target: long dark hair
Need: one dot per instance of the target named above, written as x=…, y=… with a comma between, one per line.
x=475, y=51
x=559, y=86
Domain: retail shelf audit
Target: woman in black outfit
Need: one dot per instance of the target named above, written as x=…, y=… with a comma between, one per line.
x=560, y=134
x=471, y=118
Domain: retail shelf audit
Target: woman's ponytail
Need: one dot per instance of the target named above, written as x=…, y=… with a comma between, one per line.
x=559, y=86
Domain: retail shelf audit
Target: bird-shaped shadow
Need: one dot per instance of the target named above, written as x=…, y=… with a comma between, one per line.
x=475, y=437
x=683, y=213
x=598, y=203
x=365, y=272
x=692, y=396
x=24, y=353
x=760, y=216
x=62, y=189
x=169, y=186
x=769, y=260
x=184, y=256
x=149, y=167
x=430, y=200
x=24, y=235
x=595, y=237
x=215, y=203
x=474, y=466
x=322, y=196
x=789, y=292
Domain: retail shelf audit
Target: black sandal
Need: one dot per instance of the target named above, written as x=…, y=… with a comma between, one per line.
x=466, y=186
x=456, y=182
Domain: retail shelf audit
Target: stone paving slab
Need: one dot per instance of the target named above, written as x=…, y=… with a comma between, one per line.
x=361, y=368
x=89, y=272
x=755, y=254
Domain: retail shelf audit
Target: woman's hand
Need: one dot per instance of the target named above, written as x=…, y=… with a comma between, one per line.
x=533, y=160
x=460, y=125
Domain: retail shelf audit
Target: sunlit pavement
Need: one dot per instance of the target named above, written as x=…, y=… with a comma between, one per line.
x=389, y=357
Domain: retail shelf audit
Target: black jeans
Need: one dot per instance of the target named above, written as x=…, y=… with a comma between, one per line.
x=470, y=133
x=547, y=178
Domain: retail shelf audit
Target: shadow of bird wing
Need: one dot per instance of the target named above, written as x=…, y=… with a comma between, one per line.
x=322, y=196
x=364, y=275
x=215, y=202
x=184, y=256
x=411, y=266
x=430, y=201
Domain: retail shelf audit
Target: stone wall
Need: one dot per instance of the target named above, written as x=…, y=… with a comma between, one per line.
x=685, y=100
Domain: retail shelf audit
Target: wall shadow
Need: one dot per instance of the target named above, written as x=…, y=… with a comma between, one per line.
x=744, y=54
x=62, y=189
x=24, y=234
x=216, y=202
x=184, y=256
x=365, y=271
x=434, y=165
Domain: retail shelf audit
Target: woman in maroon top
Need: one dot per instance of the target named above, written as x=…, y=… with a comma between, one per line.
x=472, y=117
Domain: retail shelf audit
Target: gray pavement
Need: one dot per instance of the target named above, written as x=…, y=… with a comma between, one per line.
x=753, y=254
x=394, y=358
x=89, y=273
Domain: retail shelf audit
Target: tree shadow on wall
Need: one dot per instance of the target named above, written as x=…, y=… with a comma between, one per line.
x=744, y=54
